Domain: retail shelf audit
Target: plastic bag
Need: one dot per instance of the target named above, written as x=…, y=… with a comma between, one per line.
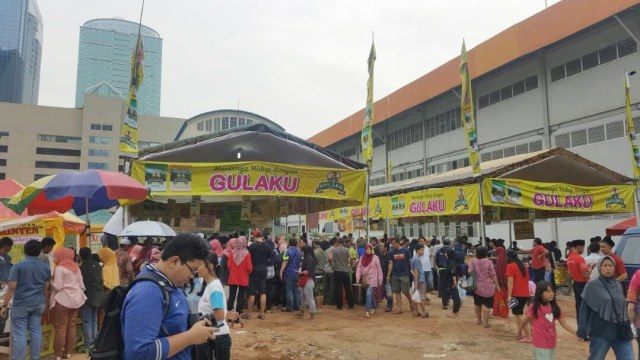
x=416, y=296
x=462, y=292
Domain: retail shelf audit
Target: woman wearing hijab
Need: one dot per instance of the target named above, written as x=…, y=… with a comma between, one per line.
x=110, y=272
x=603, y=316
x=308, y=268
x=216, y=248
x=501, y=269
x=370, y=271
x=240, y=266
x=66, y=299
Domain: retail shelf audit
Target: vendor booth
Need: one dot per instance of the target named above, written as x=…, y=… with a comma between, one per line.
x=237, y=179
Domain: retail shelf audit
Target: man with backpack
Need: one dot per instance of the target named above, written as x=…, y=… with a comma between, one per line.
x=153, y=319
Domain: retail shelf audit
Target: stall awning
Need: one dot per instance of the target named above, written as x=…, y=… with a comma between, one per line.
x=621, y=227
x=552, y=166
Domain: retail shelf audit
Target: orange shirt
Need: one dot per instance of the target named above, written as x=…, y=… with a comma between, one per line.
x=576, y=266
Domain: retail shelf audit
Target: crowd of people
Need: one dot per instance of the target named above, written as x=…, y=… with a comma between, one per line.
x=221, y=282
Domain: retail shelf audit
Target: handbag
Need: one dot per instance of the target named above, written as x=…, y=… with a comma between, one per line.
x=469, y=282
x=302, y=280
x=271, y=272
x=623, y=329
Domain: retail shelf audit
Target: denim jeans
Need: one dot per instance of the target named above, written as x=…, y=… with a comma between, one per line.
x=25, y=318
x=370, y=304
x=598, y=348
x=89, y=324
x=223, y=347
x=429, y=280
x=292, y=293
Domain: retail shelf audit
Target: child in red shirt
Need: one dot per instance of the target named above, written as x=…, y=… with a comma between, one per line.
x=542, y=315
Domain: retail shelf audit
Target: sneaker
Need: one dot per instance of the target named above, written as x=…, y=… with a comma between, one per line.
x=366, y=314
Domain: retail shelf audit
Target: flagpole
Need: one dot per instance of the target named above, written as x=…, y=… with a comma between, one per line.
x=631, y=134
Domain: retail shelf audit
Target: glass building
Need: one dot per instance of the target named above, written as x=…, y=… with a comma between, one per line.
x=20, y=51
x=104, y=62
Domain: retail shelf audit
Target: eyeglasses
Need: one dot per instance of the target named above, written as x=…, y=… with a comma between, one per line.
x=193, y=272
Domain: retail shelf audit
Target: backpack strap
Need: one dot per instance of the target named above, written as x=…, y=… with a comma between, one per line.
x=166, y=294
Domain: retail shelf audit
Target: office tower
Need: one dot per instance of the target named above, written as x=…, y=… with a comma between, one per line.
x=20, y=51
x=104, y=62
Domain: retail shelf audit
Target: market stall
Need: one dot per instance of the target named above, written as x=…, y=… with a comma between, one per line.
x=236, y=179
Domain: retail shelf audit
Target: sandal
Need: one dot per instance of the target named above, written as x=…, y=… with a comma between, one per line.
x=261, y=316
x=425, y=315
x=246, y=316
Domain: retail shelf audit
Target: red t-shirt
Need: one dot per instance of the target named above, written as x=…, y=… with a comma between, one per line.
x=520, y=283
x=576, y=266
x=620, y=269
x=536, y=261
x=543, y=335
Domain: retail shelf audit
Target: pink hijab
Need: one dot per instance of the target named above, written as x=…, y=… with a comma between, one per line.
x=240, y=250
x=65, y=257
x=216, y=247
x=228, y=250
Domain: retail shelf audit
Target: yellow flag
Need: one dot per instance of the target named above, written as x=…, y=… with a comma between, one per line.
x=635, y=148
x=367, y=126
x=129, y=126
x=467, y=113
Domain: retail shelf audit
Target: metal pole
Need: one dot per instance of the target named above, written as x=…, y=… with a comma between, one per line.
x=510, y=236
x=481, y=227
x=366, y=206
x=88, y=222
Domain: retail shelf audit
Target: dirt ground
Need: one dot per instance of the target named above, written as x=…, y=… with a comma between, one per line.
x=348, y=335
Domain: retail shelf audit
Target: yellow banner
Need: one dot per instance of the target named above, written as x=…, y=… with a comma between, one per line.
x=367, y=125
x=377, y=208
x=635, y=145
x=455, y=200
x=21, y=234
x=467, y=113
x=557, y=196
x=250, y=178
x=129, y=126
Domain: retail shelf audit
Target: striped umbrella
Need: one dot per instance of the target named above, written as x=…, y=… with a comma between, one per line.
x=81, y=191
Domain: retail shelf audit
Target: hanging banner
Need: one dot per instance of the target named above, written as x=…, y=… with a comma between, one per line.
x=20, y=235
x=377, y=209
x=455, y=200
x=557, y=196
x=245, y=208
x=467, y=113
x=252, y=178
x=129, y=125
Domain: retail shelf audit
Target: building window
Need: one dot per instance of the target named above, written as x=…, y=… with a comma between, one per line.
x=349, y=152
x=147, y=144
x=3, y=133
x=98, y=165
x=242, y=121
x=4, y=148
x=200, y=126
x=507, y=92
x=3, y=162
x=59, y=139
x=58, y=152
x=38, y=176
x=249, y=121
x=100, y=152
x=216, y=124
x=103, y=140
x=2, y=176
x=225, y=123
x=101, y=127
x=609, y=53
x=233, y=123
x=208, y=125
x=57, y=165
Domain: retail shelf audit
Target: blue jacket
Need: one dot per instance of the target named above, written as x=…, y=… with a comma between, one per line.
x=142, y=321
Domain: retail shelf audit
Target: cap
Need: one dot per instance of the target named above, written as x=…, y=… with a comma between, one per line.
x=125, y=241
x=257, y=233
x=607, y=240
x=201, y=235
x=578, y=242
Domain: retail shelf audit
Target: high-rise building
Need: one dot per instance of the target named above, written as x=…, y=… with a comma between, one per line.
x=20, y=51
x=104, y=62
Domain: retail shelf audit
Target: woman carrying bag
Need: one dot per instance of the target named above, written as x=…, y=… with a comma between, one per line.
x=603, y=315
x=369, y=271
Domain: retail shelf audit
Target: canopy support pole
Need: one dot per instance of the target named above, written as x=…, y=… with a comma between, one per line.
x=481, y=228
x=366, y=205
x=88, y=222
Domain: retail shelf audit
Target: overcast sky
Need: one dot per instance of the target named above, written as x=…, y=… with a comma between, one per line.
x=300, y=63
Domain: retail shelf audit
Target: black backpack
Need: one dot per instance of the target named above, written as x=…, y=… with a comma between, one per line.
x=441, y=259
x=109, y=344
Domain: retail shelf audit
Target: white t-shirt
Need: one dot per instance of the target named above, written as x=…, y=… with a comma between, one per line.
x=214, y=294
x=425, y=259
x=593, y=258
